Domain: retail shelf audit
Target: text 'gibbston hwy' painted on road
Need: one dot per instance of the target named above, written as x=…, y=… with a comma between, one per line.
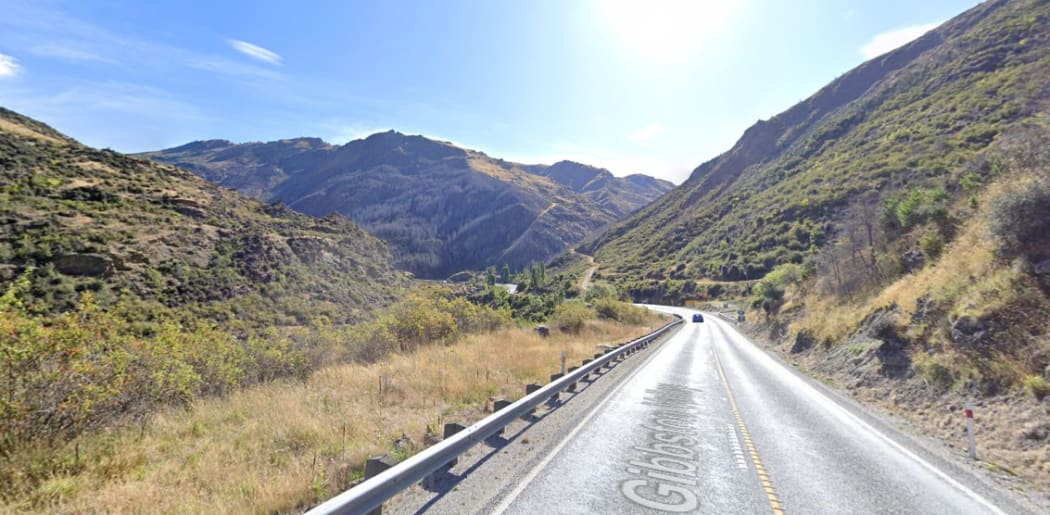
x=669, y=462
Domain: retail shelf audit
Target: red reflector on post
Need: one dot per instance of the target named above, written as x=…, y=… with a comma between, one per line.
x=968, y=413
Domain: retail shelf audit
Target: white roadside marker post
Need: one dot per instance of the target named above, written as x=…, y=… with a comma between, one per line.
x=968, y=413
x=563, y=363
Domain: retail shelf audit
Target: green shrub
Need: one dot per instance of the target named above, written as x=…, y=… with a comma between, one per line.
x=601, y=290
x=1019, y=217
x=1037, y=386
x=571, y=316
x=932, y=244
x=612, y=309
x=936, y=374
x=916, y=206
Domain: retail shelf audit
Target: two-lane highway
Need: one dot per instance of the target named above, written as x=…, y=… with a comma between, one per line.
x=712, y=424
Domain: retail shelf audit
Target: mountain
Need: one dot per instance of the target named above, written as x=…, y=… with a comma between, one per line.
x=621, y=195
x=442, y=208
x=902, y=122
x=889, y=235
x=78, y=219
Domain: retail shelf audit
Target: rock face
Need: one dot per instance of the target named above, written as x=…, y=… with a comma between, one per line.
x=89, y=265
x=443, y=209
x=972, y=332
x=913, y=260
x=804, y=341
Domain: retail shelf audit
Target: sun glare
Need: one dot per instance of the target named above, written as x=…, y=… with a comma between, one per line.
x=665, y=30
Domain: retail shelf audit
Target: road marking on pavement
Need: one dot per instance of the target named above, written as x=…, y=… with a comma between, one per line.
x=834, y=407
x=734, y=445
x=763, y=477
x=531, y=476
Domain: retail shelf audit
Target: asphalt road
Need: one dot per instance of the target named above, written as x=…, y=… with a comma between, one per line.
x=712, y=424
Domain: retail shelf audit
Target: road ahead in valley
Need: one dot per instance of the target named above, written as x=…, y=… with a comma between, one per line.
x=709, y=423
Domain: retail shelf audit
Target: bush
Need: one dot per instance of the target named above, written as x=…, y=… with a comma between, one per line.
x=612, y=309
x=601, y=290
x=1037, y=386
x=936, y=373
x=914, y=207
x=571, y=316
x=932, y=244
x=1019, y=218
x=770, y=290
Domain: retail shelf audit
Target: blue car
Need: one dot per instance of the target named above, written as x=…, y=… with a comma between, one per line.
x=698, y=317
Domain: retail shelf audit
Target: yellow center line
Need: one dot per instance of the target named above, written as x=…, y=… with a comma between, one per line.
x=763, y=477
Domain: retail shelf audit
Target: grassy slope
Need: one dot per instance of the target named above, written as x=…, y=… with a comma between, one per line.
x=909, y=118
x=283, y=446
x=161, y=235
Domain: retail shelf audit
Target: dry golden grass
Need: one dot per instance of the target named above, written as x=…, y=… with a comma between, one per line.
x=22, y=130
x=284, y=446
x=967, y=269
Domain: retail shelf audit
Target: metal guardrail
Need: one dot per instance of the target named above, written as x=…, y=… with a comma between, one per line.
x=373, y=492
x=732, y=316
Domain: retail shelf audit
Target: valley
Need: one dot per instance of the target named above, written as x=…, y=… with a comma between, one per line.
x=247, y=323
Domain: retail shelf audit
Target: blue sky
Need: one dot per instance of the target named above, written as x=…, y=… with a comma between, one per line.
x=655, y=87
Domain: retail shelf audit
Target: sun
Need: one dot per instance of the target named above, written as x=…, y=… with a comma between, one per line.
x=664, y=30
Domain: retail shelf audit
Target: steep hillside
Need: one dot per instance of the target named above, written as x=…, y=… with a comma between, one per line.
x=621, y=195
x=907, y=120
x=442, y=208
x=77, y=219
x=890, y=234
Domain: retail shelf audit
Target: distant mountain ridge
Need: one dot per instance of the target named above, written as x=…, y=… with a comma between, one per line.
x=442, y=208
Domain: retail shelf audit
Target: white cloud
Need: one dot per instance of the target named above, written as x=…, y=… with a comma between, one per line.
x=647, y=133
x=67, y=53
x=255, y=51
x=9, y=67
x=891, y=39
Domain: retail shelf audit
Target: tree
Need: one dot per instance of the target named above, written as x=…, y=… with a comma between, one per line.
x=504, y=275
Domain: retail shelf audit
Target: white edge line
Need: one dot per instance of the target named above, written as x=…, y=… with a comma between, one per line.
x=527, y=480
x=903, y=450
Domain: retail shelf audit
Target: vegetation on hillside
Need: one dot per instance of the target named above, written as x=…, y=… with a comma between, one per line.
x=442, y=209
x=77, y=219
x=972, y=311
x=901, y=128
x=272, y=447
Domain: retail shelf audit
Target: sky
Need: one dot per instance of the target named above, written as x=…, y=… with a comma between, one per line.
x=655, y=87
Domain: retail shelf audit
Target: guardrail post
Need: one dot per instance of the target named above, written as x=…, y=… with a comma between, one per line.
x=557, y=395
x=529, y=388
x=452, y=428
x=375, y=465
x=497, y=405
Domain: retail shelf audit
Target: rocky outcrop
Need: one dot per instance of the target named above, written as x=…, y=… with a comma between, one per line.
x=85, y=265
x=804, y=341
x=971, y=331
x=913, y=260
